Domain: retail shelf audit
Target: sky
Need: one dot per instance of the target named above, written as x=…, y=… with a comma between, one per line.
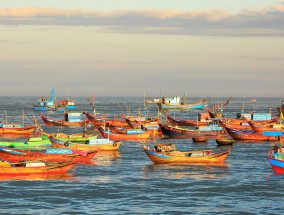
x=128, y=47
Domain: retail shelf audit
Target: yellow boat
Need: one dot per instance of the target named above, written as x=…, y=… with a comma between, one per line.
x=167, y=154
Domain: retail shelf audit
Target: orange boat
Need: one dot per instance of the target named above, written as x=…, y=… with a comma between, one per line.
x=34, y=167
x=167, y=154
x=257, y=136
x=16, y=129
x=123, y=135
x=50, y=155
x=104, y=121
x=96, y=144
x=266, y=127
x=55, y=122
x=188, y=122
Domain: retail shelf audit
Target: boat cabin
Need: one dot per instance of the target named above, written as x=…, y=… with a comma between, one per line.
x=72, y=117
x=164, y=148
x=171, y=100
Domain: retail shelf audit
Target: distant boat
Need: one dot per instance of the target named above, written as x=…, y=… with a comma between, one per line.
x=50, y=104
x=174, y=103
x=167, y=154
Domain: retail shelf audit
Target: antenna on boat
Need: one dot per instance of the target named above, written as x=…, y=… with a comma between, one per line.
x=23, y=116
x=243, y=109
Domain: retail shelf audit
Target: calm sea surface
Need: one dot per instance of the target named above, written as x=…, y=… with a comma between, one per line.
x=126, y=182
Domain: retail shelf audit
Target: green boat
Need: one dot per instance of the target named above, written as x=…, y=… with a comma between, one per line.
x=33, y=143
x=79, y=137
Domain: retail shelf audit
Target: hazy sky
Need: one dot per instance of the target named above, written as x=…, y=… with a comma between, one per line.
x=128, y=47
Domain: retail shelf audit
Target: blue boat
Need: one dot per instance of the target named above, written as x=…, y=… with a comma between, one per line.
x=50, y=104
x=176, y=104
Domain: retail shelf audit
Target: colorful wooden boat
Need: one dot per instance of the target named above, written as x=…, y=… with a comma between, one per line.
x=18, y=129
x=186, y=122
x=78, y=137
x=102, y=121
x=34, y=167
x=184, y=132
x=31, y=144
x=257, y=136
x=167, y=154
x=97, y=144
x=266, y=127
x=170, y=103
x=48, y=104
x=143, y=122
x=124, y=136
x=56, y=122
x=67, y=103
x=276, y=159
x=49, y=155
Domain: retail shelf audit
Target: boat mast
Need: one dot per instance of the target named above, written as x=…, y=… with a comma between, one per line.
x=23, y=116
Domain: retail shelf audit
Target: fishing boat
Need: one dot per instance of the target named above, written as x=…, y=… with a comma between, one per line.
x=30, y=144
x=185, y=132
x=67, y=103
x=266, y=126
x=97, y=144
x=49, y=155
x=103, y=121
x=124, y=135
x=34, y=167
x=276, y=159
x=16, y=128
x=77, y=137
x=137, y=122
x=257, y=136
x=47, y=104
x=12, y=125
x=203, y=120
x=175, y=103
x=70, y=119
x=167, y=154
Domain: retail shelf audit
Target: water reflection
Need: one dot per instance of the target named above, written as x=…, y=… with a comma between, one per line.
x=105, y=158
x=37, y=177
x=194, y=171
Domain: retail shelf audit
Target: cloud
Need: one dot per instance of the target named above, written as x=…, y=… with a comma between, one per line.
x=262, y=22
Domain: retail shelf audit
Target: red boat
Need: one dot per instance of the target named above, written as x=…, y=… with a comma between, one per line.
x=50, y=155
x=103, y=121
x=124, y=136
x=55, y=122
x=265, y=127
x=257, y=136
x=182, y=132
x=186, y=122
x=17, y=129
x=34, y=167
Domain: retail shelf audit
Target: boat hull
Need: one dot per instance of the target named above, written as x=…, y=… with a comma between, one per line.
x=110, y=146
x=171, y=158
x=18, y=171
